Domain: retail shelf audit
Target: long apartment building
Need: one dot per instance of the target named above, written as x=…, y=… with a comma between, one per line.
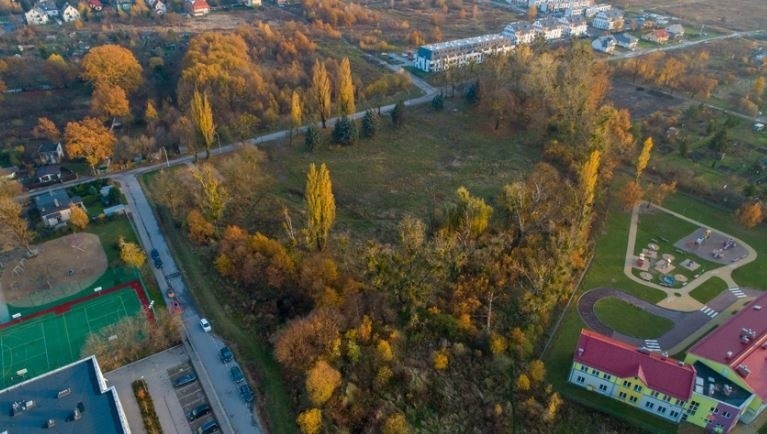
x=461, y=52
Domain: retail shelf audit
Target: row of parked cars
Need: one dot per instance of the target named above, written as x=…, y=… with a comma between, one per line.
x=201, y=410
x=246, y=393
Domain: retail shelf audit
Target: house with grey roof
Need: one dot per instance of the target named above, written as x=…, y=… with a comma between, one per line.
x=53, y=207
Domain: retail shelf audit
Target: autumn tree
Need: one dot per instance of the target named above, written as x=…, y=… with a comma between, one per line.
x=296, y=112
x=201, y=114
x=631, y=194
x=757, y=89
x=310, y=421
x=14, y=228
x=320, y=205
x=46, y=129
x=212, y=195
x=471, y=214
x=750, y=214
x=320, y=91
x=150, y=113
x=131, y=253
x=658, y=193
x=200, y=230
x=345, y=88
x=644, y=157
x=89, y=139
x=109, y=102
x=321, y=381
x=78, y=217
x=396, y=424
x=112, y=65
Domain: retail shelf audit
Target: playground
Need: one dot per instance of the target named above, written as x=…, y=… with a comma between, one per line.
x=32, y=345
x=58, y=269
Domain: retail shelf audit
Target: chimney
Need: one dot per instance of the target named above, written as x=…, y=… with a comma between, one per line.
x=728, y=355
x=76, y=415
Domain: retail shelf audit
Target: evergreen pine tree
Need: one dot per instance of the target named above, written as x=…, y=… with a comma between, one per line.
x=398, y=114
x=438, y=102
x=370, y=123
x=345, y=132
x=311, y=138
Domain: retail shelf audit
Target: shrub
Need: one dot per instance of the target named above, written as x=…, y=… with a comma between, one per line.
x=146, y=405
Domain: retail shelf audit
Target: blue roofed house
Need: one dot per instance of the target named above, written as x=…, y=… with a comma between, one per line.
x=626, y=40
x=71, y=399
x=50, y=153
x=54, y=207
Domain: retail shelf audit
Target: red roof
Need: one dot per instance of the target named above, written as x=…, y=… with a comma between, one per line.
x=741, y=341
x=606, y=354
x=199, y=5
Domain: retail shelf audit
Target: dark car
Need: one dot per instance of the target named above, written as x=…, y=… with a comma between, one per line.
x=157, y=263
x=184, y=380
x=236, y=374
x=198, y=412
x=225, y=355
x=246, y=393
x=154, y=254
x=208, y=427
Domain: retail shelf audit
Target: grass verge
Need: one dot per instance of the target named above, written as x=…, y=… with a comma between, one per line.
x=630, y=320
x=708, y=289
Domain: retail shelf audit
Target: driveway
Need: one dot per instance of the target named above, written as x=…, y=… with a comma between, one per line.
x=153, y=370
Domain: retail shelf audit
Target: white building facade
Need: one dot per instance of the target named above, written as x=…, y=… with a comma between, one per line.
x=455, y=54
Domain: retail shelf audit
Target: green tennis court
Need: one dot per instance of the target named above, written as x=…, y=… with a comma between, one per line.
x=40, y=344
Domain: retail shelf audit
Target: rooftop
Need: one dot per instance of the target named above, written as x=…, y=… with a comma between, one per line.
x=48, y=147
x=668, y=376
x=710, y=383
x=493, y=37
x=47, y=403
x=53, y=201
x=741, y=343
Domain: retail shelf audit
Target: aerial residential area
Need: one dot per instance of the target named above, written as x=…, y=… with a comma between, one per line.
x=324, y=216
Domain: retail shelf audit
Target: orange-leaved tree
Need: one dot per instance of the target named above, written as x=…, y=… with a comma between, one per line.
x=89, y=139
x=112, y=65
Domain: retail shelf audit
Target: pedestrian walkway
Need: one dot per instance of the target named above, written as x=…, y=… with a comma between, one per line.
x=710, y=312
x=738, y=293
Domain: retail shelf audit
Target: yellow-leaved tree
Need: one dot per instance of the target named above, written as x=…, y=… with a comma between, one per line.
x=320, y=91
x=644, y=157
x=321, y=381
x=345, y=88
x=46, y=129
x=750, y=214
x=14, y=228
x=112, y=65
x=109, y=102
x=78, y=217
x=296, y=112
x=310, y=421
x=89, y=139
x=201, y=114
x=320, y=205
x=131, y=253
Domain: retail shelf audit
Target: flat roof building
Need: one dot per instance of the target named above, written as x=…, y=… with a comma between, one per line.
x=71, y=399
x=460, y=52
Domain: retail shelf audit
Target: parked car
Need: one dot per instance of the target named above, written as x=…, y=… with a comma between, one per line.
x=205, y=325
x=198, y=412
x=246, y=393
x=154, y=254
x=157, y=263
x=185, y=379
x=225, y=355
x=236, y=374
x=208, y=427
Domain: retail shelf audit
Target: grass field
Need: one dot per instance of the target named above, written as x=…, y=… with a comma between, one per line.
x=708, y=289
x=630, y=320
x=56, y=338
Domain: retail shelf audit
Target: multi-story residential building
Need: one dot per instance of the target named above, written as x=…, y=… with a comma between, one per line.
x=461, y=52
x=608, y=20
x=555, y=5
x=591, y=11
x=550, y=28
x=576, y=26
x=722, y=381
x=520, y=32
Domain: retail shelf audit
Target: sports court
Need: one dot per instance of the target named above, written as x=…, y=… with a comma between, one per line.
x=36, y=344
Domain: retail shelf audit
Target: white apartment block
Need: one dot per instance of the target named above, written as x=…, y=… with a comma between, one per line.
x=455, y=54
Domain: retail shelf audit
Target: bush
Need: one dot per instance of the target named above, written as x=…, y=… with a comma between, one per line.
x=398, y=114
x=311, y=138
x=345, y=132
x=438, y=102
x=370, y=123
x=146, y=405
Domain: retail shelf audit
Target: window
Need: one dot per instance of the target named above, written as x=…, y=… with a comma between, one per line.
x=637, y=388
x=661, y=409
x=602, y=387
x=584, y=368
x=633, y=399
x=674, y=414
x=654, y=394
x=607, y=376
x=726, y=414
x=667, y=398
x=594, y=371
x=684, y=417
x=649, y=405
x=622, y=395
x=580, y=379
x=626, y=383
x=716, y=411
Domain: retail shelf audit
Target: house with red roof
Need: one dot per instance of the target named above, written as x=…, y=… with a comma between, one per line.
x=670, y=389
x=737, y=350
x=197, y=8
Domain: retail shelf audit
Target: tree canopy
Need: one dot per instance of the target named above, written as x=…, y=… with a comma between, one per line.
x=112, y=65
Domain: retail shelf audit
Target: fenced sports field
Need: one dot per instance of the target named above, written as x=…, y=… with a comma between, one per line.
x=30, y=346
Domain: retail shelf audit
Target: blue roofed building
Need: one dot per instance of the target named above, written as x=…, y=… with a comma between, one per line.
x=71, y=399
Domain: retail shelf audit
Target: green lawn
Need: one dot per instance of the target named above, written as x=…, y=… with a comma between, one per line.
x=709, y=289
x=630, y=320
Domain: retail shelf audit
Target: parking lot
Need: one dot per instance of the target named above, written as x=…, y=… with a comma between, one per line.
x=190, y=394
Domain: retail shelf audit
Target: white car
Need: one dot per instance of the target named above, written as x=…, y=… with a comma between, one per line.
x=205, y=325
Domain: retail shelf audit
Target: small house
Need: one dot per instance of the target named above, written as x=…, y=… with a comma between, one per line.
x=675, y=31
x=95, y=5
x=36, y=16
x=659, y=36
x=48, y=174
x=50, y=153
x=160, y=8
x=54, y=207
x=69, y=13
x=197, y=8
x=626, y=40
x=604, y=44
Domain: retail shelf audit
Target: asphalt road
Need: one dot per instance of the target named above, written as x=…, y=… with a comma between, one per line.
x=234, y=415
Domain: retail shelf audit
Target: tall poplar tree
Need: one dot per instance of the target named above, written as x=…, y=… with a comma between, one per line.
x=345, y=88
x=321, y=90
x=320, y=205
x=296, y=113
x=202, y=118
x=644, y=157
